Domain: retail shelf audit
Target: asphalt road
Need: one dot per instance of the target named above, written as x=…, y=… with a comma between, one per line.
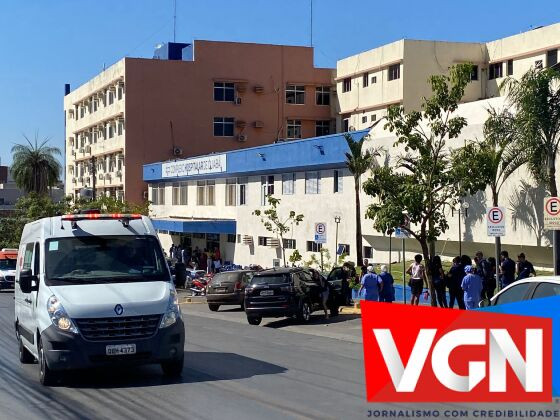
x=279, y=370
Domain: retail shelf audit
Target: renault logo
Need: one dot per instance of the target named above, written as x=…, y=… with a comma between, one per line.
x=119, y=309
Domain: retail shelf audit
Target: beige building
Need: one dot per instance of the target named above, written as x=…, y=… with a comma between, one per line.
x=397, y=73
x=190, y=100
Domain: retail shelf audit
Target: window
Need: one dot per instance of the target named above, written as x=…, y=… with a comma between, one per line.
x=267, y=188
x=313, y=246
x=238, y=238
x=28, y=257
x=474, y=72
x=120, y=90
x=323, y=95
x=110, y=131
x=510, y=67
x=312, y=183
x=538, y=64
x=205, y=193
x=95, y=104
x=293, y=129
x=346, y=125
x=364, y=119
x=111, y=97
x=82, y=112
x=158, y=194
x=224, y=92
x=365, y=80
x=295, y=94
x=394, y=72
x=373, y=117
x=373, y=79
x=347, y=85
x=546, y=290
x=223, y=126
x=231, y=189
x=322, y=128
x=179, y=197
x=343, y=249
x=551, y=58
x=242, y=183
x=120, y=127
x=231, y=238
x=288, y=181
x=337, y=178
x=262, y=240
x=513, y=294
x=495, y=71
x=289, y=243
x=368, y=252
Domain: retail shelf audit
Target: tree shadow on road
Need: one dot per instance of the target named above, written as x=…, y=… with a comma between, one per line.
x=199, y=367
x=314, y=320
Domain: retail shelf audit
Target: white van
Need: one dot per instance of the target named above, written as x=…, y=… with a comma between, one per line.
x=95, y=290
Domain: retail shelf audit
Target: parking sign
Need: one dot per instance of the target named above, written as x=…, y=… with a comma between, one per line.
x=496, y=221
x=321, y=233
x=552, y=213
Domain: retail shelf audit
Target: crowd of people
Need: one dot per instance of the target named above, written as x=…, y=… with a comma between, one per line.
x=468, y=281
x=210, y=261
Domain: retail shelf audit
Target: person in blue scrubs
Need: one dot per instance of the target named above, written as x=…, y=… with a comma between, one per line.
x=372, y=283
x=472, y=287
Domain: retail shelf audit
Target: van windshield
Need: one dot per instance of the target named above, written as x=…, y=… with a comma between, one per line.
x=104, y=259
x=8, y=264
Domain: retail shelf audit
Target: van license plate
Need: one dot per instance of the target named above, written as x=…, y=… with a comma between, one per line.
x=120, y=349
x=267, y=292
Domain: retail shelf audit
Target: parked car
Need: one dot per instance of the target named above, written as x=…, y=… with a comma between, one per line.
x=526, y=289
x=8, y=262
x=288, y=292
x=228, y=288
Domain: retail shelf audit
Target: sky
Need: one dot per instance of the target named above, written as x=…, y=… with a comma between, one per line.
x=49, y=43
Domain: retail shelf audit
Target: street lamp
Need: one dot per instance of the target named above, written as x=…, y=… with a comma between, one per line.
x=462, y=211
x=337, y=221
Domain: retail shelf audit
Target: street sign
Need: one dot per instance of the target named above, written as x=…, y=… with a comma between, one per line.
x=400, y=233
x=552, y=213
x=321, y=233
x=496, y=221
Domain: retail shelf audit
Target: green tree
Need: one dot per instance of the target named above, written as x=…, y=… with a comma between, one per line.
x=112, y=205
x=491, y=161
x=35, y=167
x=536, y=99
x=358, y=163
x=274, y=223
x=424, y=181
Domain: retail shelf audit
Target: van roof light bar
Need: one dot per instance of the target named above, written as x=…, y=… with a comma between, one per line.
x=125, y=218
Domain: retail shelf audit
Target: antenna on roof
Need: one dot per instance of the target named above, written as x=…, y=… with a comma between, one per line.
x=174, y=18
x=311, y=29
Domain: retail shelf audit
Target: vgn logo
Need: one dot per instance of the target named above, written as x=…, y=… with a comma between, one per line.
x=424, y=354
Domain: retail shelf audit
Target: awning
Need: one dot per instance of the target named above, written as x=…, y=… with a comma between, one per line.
x=196, y=225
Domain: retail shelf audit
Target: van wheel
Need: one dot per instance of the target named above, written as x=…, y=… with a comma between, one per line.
x=46, y=376
x=213, y=307
x=173, y=368
x=304, y=312
x=25, y=355
x=254, y=320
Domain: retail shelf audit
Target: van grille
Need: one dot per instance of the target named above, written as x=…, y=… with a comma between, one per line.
x=121, y=328
x=10, y=279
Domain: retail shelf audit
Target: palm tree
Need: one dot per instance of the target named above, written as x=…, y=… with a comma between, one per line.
x=34, y=166
x=536, y=98
x=358, y=163
x=527, y=210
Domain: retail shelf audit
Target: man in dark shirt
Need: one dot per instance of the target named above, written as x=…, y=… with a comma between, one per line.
x=454, y=279
x=524, y=268
x=484, y=270
x=507, y=269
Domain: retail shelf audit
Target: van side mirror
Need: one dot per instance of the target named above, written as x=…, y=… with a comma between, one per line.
x=28, y=282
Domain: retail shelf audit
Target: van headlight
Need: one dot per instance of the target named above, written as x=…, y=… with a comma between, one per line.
x=59, y=317
x=173, y=312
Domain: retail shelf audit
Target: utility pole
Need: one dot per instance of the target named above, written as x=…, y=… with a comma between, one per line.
x=94, y=177
x=174, y=18
x=311, y=30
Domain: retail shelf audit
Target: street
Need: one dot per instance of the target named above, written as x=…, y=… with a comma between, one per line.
x=232, y=370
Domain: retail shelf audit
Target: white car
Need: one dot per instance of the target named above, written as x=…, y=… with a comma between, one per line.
x=527, y=289
x=95, y=290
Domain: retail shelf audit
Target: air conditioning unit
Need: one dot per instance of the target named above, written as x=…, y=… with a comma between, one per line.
x=351, y=128
x=73, y=153
x=258, y=124
x=70, y=140
x=81, y=150
x=100, y=177
x=145, y=195
x=238, y=101
x=73, y=180
x=242, y=137
x=258, y=89
x=247, y=240
x=240, y=123
x=273, y=242
x=88, y=149
x=108, y=177
x=119, y=174
x=81, y=179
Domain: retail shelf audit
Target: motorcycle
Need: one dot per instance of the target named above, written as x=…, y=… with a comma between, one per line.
x=198, y=287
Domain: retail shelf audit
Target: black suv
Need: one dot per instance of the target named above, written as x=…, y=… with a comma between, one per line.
x=287, y=292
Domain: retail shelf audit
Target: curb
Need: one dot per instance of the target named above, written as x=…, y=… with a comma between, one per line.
x=188, y=300
x=355, y=310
